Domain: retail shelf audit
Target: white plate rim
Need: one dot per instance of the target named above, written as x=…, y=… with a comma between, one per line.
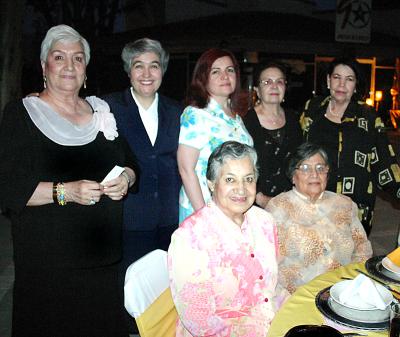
x=321, y=302
x=389, y=265
x=339, y=311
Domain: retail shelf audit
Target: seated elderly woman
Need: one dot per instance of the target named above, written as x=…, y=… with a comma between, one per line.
x=318, y=230
x=231, y=289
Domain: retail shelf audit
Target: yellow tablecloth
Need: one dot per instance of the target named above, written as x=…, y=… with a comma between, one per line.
x=300, y=307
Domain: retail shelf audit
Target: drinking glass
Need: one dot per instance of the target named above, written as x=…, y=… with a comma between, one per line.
x=394, y=329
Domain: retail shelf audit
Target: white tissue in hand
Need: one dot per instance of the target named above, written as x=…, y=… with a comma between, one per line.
x=114, y=173
x=362, y=290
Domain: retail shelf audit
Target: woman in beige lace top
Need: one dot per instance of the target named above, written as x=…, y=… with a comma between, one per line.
x=318, y=230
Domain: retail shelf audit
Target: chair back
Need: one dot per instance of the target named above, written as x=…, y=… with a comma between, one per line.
x=148, y=297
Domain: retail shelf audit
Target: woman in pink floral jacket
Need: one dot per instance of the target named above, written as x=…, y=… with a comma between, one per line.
x=223, y=258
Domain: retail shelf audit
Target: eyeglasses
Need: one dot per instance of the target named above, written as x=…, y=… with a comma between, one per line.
x=308, y=168
x=269, y=81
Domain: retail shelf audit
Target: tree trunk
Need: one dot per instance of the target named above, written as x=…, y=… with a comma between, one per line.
x=11, y=51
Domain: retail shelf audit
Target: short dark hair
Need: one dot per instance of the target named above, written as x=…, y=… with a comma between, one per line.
x=303, y=152
x=229, y=150
x=270, y=64
x=197, y=94
x=355, y=66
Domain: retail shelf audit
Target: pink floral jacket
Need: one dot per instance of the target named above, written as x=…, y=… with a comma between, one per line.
x=224, y=277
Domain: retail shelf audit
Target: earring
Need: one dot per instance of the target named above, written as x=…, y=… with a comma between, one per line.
x=44, y=81
x=355, y=91
x=329, y=87
x=84, y=82
x=283, y=100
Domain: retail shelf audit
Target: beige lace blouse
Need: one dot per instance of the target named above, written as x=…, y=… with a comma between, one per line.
x=315, y=237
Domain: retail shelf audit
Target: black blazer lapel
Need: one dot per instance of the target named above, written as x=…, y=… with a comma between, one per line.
x=134, y=125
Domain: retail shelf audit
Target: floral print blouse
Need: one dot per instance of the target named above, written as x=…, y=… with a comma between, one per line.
x=205, y=129
x=315, y=237
x=223, y=277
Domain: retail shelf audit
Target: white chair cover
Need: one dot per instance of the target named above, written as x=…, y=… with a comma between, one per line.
x=145, y=280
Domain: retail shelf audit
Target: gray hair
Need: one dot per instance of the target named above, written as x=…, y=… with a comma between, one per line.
x=63, y=34
x=303, y=152
x=141, y=46
x=228, y=151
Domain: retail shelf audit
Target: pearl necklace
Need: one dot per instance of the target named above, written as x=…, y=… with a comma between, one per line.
x=336, y=114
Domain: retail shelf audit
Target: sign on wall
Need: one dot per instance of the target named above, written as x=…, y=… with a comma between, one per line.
x=353, y=21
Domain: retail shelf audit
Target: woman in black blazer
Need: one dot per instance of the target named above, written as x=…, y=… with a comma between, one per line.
x=150, y=123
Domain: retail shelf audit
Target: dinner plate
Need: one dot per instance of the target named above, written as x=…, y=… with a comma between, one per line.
x=322, y=302
x=375, y=268
x=389, y=265
x=339, y=287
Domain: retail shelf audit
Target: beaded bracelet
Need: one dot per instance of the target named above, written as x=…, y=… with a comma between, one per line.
x=59, y=194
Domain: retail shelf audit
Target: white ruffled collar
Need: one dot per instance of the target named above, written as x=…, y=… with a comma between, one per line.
x=62, y=131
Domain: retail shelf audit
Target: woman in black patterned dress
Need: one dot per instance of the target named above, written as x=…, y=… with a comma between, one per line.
x=354, y=137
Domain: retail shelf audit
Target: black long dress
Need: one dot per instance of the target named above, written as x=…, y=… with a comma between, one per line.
x=66, y=257
x=274, y=148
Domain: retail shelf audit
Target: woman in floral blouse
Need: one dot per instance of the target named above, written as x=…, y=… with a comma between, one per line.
x=210, y=119
x=223, y=258
x=318, y=230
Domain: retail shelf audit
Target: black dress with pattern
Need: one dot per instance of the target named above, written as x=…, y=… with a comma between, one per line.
x=361, y=158
x=66, y=257
x=273, y=149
